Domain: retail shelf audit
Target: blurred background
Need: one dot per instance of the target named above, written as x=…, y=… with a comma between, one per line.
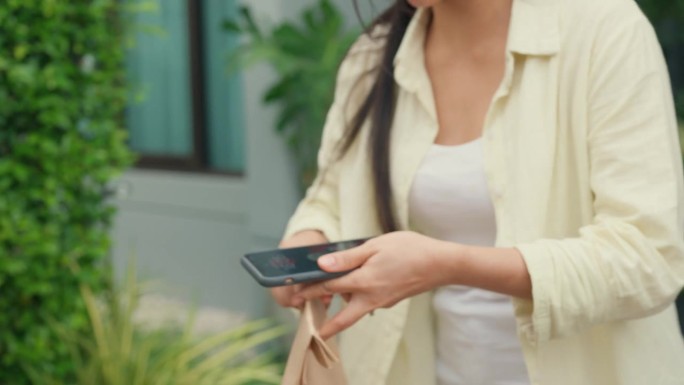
x=215, y=178
x=164, y=139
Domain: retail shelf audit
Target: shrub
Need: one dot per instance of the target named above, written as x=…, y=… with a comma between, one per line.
x=61, y=102
x=119, y=351
x=305, y=56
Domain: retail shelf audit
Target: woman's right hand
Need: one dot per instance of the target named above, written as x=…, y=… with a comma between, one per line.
x=283, y=294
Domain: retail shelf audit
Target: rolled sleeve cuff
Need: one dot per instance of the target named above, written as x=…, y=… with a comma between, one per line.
x=534, y=317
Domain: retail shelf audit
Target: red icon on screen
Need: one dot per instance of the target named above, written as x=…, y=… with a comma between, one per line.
x=282, y=262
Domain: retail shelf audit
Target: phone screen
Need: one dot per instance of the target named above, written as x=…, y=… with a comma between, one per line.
x=296, y=260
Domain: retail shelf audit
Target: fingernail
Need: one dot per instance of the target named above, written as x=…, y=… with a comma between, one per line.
x=327, y=261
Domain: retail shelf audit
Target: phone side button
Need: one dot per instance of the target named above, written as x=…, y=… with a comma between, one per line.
x=289, y=281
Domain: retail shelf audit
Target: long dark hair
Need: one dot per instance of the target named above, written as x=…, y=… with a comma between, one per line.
x=379, y=107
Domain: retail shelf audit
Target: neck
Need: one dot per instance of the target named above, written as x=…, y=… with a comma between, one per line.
x=470, y=25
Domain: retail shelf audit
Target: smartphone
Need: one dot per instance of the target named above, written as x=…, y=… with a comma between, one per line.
x=283, y=267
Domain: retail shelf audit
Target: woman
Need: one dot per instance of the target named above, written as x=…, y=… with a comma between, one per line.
x=521, y=159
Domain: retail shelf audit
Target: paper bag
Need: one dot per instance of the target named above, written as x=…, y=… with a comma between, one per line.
x=313, y=361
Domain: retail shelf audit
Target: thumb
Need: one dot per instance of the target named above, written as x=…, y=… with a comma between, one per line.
x=345, y=260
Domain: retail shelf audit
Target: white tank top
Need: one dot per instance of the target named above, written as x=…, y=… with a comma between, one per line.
x=476, y=331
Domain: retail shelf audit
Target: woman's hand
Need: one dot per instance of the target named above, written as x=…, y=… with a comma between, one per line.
x=389, y=268
x=284, y=295
x=399, y=265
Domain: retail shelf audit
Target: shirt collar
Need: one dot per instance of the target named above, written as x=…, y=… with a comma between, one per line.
x=534, y=31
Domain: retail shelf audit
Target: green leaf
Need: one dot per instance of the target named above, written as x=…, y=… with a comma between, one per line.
x=305, y=55
x=250, y=24
x=286, y=85
x=232, y=26
x=288, y=118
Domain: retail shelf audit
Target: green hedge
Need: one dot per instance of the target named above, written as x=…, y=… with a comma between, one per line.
x=61, y=101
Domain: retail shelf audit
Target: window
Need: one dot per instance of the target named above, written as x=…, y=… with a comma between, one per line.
x=188, y=115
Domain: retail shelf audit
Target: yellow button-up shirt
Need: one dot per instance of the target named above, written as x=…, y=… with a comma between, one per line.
x=583, y=163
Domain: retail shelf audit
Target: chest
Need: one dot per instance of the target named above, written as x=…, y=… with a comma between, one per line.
x=534, y=152
x=462, y=91
x=449, y=199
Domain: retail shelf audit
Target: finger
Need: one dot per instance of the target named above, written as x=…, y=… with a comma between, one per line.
x=348, y=316
x=285, y=296
x=345, y=260
x=343, y=284
x=297, y=302
x=326, y=300
x=318, y=290
x=280, y=297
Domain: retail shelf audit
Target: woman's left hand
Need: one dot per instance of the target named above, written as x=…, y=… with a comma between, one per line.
x=388, y=269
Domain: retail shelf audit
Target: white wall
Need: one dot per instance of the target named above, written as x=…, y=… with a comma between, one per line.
x=188, y=230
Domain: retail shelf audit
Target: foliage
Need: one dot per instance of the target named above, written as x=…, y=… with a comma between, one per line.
x=118, y=351
x=663, y=14
x=667, y=17
x=61, y=100
x=305, y=57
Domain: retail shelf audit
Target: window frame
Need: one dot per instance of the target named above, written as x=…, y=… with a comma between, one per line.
x=198, y=160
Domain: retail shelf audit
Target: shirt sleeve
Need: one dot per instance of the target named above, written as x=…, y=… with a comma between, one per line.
x=319, y=209
x=629, y=262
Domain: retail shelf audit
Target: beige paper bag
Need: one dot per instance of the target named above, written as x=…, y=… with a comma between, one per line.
x=313, y=361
